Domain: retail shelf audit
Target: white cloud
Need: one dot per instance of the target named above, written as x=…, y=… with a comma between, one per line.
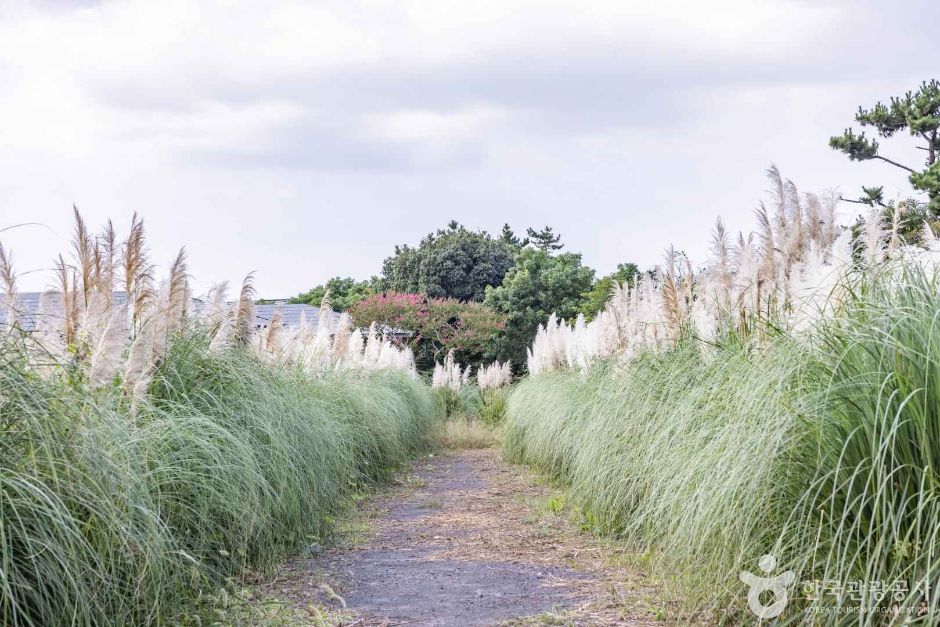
x=417, y=125
x=311, y=137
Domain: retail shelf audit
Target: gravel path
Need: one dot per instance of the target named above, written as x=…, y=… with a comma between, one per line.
x=466, y=539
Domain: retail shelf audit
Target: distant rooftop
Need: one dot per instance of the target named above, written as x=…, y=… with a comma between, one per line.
x=27, y=304
x=290, y=315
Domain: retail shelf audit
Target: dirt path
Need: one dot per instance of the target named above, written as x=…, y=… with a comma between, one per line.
x=467, y=539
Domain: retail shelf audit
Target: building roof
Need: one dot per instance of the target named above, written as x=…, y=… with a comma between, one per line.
x=290, y=315
x=27, y=305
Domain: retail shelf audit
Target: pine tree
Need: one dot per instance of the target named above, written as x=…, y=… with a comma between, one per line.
x=545, y=240
x=508, y=236
x=917, y=112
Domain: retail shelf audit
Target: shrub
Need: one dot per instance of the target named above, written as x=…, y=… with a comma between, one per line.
x=493, y=405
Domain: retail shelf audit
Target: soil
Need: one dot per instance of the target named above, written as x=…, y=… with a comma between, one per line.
x=467, y=539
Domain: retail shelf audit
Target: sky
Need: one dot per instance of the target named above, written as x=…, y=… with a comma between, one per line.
x=303, y=140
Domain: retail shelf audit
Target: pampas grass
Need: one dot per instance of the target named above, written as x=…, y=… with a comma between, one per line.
x=458, y=398
x=8, y=283
x=449, y=374
x=137, y=269
x=150, y=455
x=640, y=444
x=780, y=401
x=822, y=453
x=494, y=376
x=322, y=349
x=228, y=464
x=784, y=276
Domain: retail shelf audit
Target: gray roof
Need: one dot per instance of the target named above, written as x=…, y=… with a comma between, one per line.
x=290, y=315
x=27, y=305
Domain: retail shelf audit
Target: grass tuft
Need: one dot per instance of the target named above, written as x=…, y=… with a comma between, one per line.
x=822, y=451
x=226, y=466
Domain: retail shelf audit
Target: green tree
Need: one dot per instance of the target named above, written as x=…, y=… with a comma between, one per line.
x=434, y=326
x=538, y=285
x=596, y=298
x=451, y=263
x=508, y=236
x=919, y=114
x=545, y=240
x=344, y=293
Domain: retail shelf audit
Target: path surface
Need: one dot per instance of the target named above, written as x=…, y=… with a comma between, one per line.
x=466, y=539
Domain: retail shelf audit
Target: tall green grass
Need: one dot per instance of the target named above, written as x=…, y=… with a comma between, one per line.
x=871, y=512
x=109, y=517
x=822, y=451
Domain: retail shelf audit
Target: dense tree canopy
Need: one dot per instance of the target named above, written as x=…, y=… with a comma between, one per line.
x=919, y=114
x=480, y=295
x=451, y=263
x=434, y=326
x=343, y=292
x=596, y=298
x=508, y=236
x=538, y=285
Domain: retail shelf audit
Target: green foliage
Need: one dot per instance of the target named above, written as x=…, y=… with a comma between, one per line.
x=507, y=236
x=538, y=285
x=873, y=506
x=451, y=263
x=493, y=405
x=856, y=147
x=596, y=298
x=344, y=293
x=448, y=403
x=929, y=181
x=824, y=455
x=434, y=326
x=471, y=403
x=545, y=240
x=108, y=518
x=919, y=113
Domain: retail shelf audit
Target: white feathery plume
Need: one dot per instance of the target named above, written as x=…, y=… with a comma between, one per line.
x=930, y=240
x=370, y=355
x=49, y=329
x=223, y=336
x=388, y=355
x=791, y=273
x=721, y=264
x=895, y=240
x=927, y=257
x=321, y=349
x=352, y=357
x=448, y=374
x=274, y=334
x=245, y=317
x=216, y=308
x=814, y=232
x=830, y=223
x=341, y=336
x=873, y=238
x=105, y=334
x=138, y=369
x=494, y=376
x=8, y=281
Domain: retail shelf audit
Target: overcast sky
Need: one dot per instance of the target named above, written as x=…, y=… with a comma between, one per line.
x=304, y=140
